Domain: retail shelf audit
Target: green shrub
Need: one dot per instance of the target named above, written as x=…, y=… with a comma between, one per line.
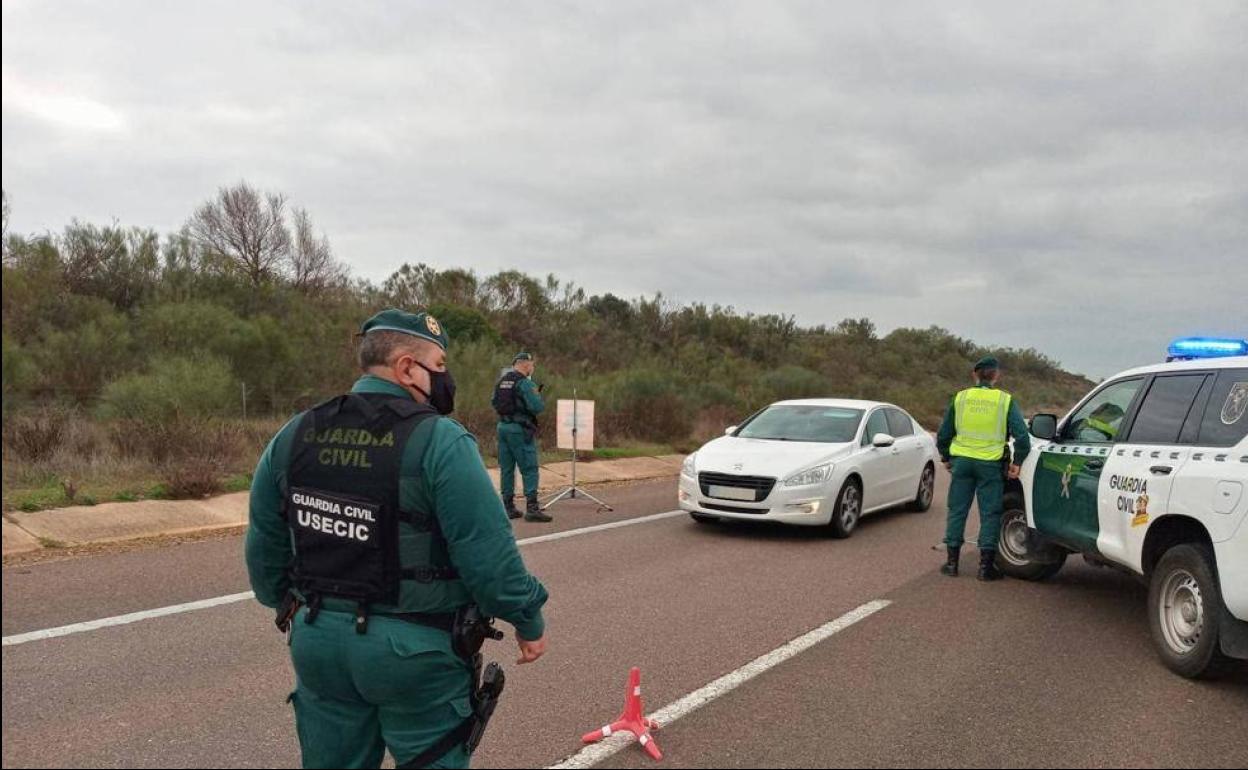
x=173, y=388
x=646, y=404
x=789, y=382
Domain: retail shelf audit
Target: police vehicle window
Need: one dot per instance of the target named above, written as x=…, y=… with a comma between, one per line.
x=1165, y=408
x=877, y=423
x=899, y=424
x=1225, y=421
x=801, y=422
x=1100, y=419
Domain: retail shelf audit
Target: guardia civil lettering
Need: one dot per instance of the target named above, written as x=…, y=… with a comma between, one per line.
x=330, y=506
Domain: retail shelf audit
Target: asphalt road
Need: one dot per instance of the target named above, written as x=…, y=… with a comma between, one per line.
x=951, y=673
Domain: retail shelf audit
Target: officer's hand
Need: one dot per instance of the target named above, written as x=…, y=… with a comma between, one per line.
x=948, y=465
x=531, y=651
x=1014, y=471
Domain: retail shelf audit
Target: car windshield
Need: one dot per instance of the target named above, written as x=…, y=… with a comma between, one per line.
x=800, y=422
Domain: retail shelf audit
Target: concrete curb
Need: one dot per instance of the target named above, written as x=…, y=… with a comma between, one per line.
x=115, y=522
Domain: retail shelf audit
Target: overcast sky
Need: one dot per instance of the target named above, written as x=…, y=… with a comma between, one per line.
x=1066, y=176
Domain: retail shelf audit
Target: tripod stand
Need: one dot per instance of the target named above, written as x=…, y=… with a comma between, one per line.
x=572, y=491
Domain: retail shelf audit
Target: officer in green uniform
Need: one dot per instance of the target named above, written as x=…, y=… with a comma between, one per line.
x=972, y=440
x=518, y=402
x=375, y=530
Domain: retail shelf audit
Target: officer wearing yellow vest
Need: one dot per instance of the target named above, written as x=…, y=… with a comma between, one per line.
x=376, y=535
x=972, y=440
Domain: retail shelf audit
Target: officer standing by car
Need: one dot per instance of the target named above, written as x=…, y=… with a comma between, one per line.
x=376, y=534
x=518, y=402
x=972, y=440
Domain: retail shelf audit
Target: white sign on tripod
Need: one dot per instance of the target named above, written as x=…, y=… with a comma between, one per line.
x=579, y=415
x=575, y=431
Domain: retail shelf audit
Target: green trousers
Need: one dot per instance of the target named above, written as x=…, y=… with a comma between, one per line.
x=516, y=448
x=971, y=479
x=397, y=687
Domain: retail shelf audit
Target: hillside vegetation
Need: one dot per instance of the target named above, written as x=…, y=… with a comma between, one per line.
x=137, y=363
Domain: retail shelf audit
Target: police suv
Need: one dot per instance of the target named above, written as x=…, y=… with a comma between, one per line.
x=1149, y=473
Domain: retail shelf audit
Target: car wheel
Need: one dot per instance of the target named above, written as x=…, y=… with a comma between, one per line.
x=1017, y=554
x=1183, y=608
x=927, y=490
x=704, y=519
x=847, y=511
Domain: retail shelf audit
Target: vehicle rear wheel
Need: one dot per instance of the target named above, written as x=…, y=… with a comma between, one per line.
x=847, y=511
x=1183, y=608
x=927, y=490
x=1017, y=554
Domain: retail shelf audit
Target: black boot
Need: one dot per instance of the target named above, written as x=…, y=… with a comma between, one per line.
x=951, y=564
x=988, y=566
x=533, y=512
x=513, y=512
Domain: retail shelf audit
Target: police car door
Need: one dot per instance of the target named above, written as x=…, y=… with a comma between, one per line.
x=1067, y=479
x=1138, y=476
x=1214, y=484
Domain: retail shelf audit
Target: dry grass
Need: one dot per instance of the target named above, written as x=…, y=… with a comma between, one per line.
x=53, y=459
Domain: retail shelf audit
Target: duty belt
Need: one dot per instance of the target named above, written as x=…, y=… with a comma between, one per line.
x=429, y=574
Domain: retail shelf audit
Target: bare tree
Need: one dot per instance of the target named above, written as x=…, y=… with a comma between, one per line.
x=247, y=229
x=313, y=266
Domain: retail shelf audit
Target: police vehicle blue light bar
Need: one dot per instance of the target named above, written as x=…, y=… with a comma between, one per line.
x=1206, y=347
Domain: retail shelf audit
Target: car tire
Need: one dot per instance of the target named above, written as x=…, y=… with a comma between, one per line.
x=848, y=510
x=1017, y=555
x=927, y=490
x=1184, y=605
x=704, y=519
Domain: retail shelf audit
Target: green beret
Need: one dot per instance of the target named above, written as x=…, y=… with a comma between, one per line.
x=420, y=325
x=987, y=362
x=522, y=356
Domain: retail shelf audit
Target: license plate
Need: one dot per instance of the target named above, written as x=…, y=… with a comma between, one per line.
x=732, y=493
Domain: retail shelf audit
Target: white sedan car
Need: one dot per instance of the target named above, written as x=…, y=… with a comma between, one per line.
x=816, y=462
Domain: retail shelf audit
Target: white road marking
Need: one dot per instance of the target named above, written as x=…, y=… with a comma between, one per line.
x=597, y=752
x=598, y=528
x=121, y=620
x=202, y=604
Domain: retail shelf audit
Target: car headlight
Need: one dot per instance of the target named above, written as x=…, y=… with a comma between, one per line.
x=687, y=468
x=816, y=475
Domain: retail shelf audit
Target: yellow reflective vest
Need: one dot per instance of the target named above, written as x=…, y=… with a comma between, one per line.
x=980, y=417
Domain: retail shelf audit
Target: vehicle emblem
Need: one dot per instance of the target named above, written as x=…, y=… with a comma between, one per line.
x=738, y=466
x=1236, y=404
x=1070, y=470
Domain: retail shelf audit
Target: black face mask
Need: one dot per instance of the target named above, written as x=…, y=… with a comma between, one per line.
x=442, y=385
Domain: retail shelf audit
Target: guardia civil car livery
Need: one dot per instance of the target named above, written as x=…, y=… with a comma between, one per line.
x=1149, y=473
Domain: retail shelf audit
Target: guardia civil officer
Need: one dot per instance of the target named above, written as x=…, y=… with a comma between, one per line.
x=376, y=533
x=518, y=402
x=972, y=441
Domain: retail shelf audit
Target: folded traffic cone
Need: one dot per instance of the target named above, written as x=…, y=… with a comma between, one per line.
x=633, y=720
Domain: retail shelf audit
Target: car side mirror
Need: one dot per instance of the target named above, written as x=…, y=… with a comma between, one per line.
x=882, y=440
x=1044, y=426
x=730, y=431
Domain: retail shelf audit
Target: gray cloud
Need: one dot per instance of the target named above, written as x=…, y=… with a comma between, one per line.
x=1068, y=176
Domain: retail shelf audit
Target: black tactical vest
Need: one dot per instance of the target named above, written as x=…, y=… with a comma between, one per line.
x=506, y=401
x=342, y=499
